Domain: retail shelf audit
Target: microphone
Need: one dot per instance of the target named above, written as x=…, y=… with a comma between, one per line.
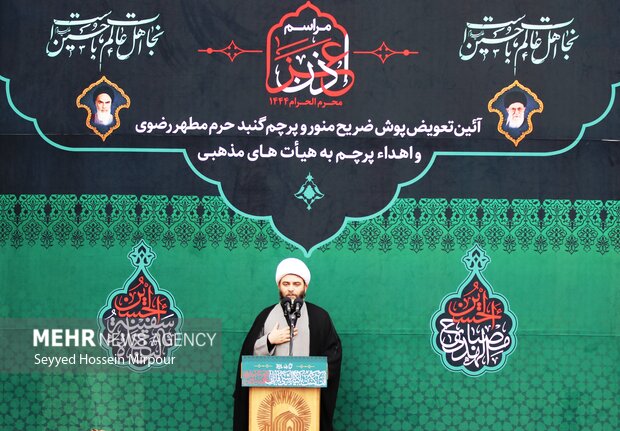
x=296, y=310
x=297, y=306
x=286, y=306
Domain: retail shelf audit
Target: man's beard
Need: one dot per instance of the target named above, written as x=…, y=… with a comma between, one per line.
x=515, y=122
x=302, y=295
x=103, y=118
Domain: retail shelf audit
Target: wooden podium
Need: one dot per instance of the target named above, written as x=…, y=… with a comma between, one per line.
x=285, y=391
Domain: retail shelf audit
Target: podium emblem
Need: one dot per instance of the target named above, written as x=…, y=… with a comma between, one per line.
x=284, y=410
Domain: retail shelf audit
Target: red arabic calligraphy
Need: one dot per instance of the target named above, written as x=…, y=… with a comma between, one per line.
x=297, y=61
x=475, y=306
x=141, y=301
x=255, y=377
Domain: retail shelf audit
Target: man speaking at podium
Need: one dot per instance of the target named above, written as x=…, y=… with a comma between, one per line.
x=314, y=335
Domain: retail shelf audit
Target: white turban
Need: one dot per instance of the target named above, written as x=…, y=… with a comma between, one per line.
x=293, y=266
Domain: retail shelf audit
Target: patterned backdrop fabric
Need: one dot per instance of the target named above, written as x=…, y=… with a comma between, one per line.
x=382, y=280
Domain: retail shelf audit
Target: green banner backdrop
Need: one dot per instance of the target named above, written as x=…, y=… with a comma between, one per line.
x=382, y=280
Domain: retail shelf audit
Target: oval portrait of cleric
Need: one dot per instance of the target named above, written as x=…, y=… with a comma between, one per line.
x=103, y=101
x=515, y=106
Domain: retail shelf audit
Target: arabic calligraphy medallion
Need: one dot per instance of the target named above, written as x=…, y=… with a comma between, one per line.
x=140, y=323
x=474, y=331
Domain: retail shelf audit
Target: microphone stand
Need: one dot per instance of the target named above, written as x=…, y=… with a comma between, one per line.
x=290, y=317
x=290, y=346
x=293, y=316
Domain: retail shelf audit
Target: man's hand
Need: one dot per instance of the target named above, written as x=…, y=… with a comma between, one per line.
x=280, y=336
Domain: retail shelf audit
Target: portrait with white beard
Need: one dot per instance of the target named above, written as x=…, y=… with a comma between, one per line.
x=103, y=100
x=515, y=106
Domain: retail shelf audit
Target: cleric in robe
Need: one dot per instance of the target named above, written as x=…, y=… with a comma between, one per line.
x=103, y=100
x=515, y=104
x=315, y=335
